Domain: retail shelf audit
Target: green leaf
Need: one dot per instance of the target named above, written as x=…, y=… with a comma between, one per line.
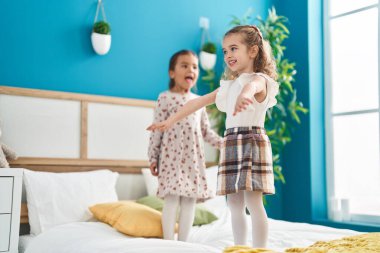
x=102, y=27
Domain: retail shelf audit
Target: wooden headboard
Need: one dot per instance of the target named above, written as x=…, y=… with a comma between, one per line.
x=61, y=132
x=66, y=132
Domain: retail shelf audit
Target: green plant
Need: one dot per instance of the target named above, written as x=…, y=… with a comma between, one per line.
x=102, y=27
x=209, y=47
x=281, y=119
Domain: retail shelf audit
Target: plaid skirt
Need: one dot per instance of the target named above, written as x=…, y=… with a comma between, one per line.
x=245, y=162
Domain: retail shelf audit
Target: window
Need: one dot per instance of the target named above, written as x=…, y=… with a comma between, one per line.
x=352, y=109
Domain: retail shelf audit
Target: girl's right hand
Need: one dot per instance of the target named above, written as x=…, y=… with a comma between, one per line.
x=161, y=126
x=242, y=103
x=154, y=169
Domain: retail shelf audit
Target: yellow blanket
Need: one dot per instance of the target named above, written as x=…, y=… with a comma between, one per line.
x=245, y=249
x=365, y=243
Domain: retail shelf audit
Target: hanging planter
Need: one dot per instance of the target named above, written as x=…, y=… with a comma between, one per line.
x=101, y=33
x=207, y=56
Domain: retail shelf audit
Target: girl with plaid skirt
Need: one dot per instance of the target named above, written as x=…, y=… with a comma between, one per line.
x=247, y=91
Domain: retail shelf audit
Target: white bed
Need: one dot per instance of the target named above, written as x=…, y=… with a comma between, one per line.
x=79, y=132
x=93, y=236
x=90, y=237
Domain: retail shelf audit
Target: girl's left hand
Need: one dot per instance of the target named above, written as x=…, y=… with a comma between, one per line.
x=242, y=102
x=160, y=126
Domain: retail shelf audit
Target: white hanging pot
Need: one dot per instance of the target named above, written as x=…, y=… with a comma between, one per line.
x=101, y=43
x=207, y=60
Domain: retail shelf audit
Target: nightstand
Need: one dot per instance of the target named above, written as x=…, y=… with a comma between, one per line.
x=10, y=203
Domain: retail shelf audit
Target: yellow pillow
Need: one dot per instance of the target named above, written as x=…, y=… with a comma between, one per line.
x=130, y=218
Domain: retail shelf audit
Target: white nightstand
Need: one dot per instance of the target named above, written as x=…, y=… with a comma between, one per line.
x=10, y=203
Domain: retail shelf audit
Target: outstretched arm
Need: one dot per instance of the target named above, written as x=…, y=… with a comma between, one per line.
x=189, y=108
x=245, y=98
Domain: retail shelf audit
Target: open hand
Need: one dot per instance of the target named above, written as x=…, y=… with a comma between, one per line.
x=160, y=126
x=242, y=102
x=154, y=169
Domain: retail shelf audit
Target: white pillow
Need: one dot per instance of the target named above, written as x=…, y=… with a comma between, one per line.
x=219, y=202
x=151, y=182
x=59, y=198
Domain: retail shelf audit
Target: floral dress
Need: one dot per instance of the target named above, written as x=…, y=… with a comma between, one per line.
x=179, y=151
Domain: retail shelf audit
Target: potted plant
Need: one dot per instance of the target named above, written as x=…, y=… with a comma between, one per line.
x=101, y=37
x=207, y=56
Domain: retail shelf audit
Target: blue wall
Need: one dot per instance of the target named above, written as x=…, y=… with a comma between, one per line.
x=303, y=197
x=316, y=105
x=296, y=193
x=46, y=44
x=304, y=194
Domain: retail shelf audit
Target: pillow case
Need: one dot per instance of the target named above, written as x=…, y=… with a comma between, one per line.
x=202, y=215
x=130, y=218
x=58, y=198
x=151, y=182
x=218, y=202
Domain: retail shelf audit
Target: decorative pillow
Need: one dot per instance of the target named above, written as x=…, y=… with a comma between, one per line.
x=152, y=201
x=130, y=218
x=151, y=182
x=58, y=198
x=202, y=215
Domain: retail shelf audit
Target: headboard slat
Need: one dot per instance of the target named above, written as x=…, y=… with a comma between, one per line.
x=83, y=130
x=24, y=214
x=75, y=96
x=72, y=165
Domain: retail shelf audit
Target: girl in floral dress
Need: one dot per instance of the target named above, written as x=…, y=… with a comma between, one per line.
x=177, y=155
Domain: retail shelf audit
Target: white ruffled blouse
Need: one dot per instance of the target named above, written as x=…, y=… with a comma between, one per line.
x=255, y=114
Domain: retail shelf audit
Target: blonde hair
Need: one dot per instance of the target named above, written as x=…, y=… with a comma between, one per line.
x=264, y=61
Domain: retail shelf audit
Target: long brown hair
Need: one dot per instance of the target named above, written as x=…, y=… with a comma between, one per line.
x=264, y=61
x=173, y=62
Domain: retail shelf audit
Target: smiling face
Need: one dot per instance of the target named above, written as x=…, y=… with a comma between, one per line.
x=185, y=73
x=237, y=56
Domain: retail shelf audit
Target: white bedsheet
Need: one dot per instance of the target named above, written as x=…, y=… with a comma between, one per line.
x=93, y=237
x=23, y=242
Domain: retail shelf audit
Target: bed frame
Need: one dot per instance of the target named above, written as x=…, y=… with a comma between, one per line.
x=69, y=132
x=80, y=104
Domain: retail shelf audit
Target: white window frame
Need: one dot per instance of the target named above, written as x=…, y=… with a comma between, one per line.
x=335, y=204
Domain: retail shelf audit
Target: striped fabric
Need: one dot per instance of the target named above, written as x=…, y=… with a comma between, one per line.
x=245, y=162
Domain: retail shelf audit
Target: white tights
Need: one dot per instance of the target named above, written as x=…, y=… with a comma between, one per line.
x=253, y=200
x=169, y=216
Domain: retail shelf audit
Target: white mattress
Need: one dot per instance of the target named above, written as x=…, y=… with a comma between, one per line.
x=90, y=237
